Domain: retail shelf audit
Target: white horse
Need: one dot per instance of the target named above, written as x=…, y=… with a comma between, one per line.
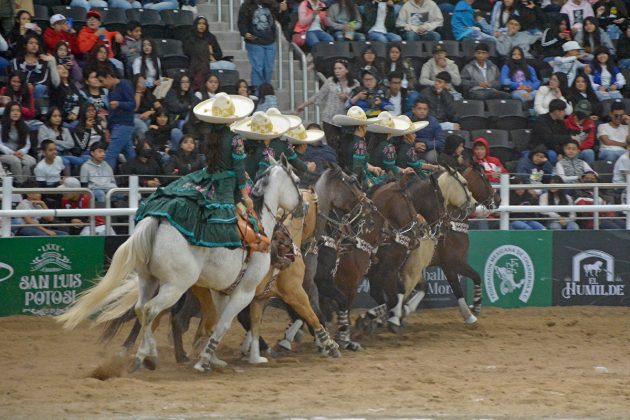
x=164, y=259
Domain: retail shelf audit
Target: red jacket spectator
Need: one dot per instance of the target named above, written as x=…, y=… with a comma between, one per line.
x=584, y=131
x=28, y=103
x=492, y=166
x=52, y=38
x=92, y=35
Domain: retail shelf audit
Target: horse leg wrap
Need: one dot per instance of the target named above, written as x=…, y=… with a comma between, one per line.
x=289, y=335
x=469, y=318
x=328, y=346
x=413, y=302
x=379, y=313
x=396, y=311
x=477, y=298
x=343, y=326
x=247, y=342
x=205, y=361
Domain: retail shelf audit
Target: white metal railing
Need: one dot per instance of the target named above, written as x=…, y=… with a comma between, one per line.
x=293, y=49
x=280, y=39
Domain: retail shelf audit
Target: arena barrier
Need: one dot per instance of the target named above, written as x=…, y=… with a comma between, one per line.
x=42, y=275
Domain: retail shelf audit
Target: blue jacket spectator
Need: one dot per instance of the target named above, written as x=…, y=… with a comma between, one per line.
x=465, y=26
x=429, y=140
x=535, y=167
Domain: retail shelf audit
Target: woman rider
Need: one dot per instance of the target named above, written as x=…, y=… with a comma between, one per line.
x=407, y=157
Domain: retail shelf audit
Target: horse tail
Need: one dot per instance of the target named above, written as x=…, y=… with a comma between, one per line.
x=119, y=302
x=134, y=252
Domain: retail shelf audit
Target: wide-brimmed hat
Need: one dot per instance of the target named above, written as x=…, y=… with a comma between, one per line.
x=261, y=126
x=300, y=135
x=224, y=108
x=355, y=116
x=413, y=126
x=294, y=120
x=389, y=125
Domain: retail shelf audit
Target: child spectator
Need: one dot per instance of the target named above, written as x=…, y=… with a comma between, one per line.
x=88, y=131
x=66, y=97
x=53, y=129
x=557, y=197
x=145, y=164
x=48, y=170
x=210, y=89
x=586, y=197
x=33, y=201
x=77, y=200
x=267, y=98
x=607, y=79
x=519, y=77
x=439, y=64
x=92, y=35
x=582, y=128
x=549, y=129
x=571, y=167
x=535, y=167
x=613, y=136
x=60, y=31
x=148, y=65
x=524, y=197
x=162, y=134
x=96, y=174
x=15, y=143
x=570, y=64
x=368, y=61
x=419, y=20
x=452, y=154
x=480, y=77
x=441, y=102
x=185, y=160
x=65, y=58
x=492, y=166
x=132, y=46
x=581, y=90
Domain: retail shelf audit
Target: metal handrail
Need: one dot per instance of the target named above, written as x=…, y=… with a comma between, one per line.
x=293, y=48
x=280, y=37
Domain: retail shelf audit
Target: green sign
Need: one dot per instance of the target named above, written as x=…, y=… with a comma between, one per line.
x=515, y=267
x=43, y=275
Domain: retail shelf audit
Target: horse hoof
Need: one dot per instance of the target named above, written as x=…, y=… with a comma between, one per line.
x=258, y=360
x=471, y=321
x=135, y=365
x=285, y=345
x=150, y=362
x=215, y=362
x=334, y=352
x=396, y=329
x=350, y=345
x=182, y=359
x=202, y=367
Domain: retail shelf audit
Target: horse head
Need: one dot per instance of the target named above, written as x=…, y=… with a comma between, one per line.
x=480, y=187
x=280, y=179
x=338, y=190
x=455, y=191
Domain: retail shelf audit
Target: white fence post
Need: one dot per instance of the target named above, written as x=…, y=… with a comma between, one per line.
x=505, y=201
x=7, y=193
x=134, y=199
x=627, y=201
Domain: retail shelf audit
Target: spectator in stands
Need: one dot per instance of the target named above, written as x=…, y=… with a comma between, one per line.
x=180, y=100
x=48, y=170
x=453, y=153
x=571, y=167
x=419, y=20
x=480, y=77
x=429, y=140
x=64, y=58
x=535, y=168
x=267, y=98
x=204, y=51
x=121, y=106
x=397, y=95
x=319, y=153
x=78, y=200
x=346, y=21
x=592, y=37
x=312, y=23
x=549, y=129
x=613, y=136
x=370, y=96
x=519, y=77
x=570, y=63
x=468, y=26
x=369, y=61
x=7, y=13
x=185, y=160
x=22, y=27
x=162, y=134
x=606, y=78
x=15, y=143
x=492, y=166
x=622, y=166
x=396, y=63
x=441, y=102
x=524, y=197
x=54, y=130
x=242, y=88
x=581, y=90
x=333, y=94
x=586, y=197
x=146, y=106
x=38, y=69
x=66, y=97
x=97, y=62
x=58, y=31
x=256, y=23
x=408, y=157
x=148, y=64
x=557, y=197
x=555, y=36
x=96, y=174
x=577, y=10
x=95, y=94
x=514, y=37
x=441, y=63
x=92, y=36
x=132, y=46
x=582, y=128
x=33, y=201
x=623, y=49
x=88, y=131
x=145, y=164
x=18, y=91
x=612, y=16
x=212, y=87
x=500, y=15
x=557, y=89
x=380, y=18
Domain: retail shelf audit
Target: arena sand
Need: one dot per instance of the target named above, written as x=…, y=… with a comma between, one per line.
x=529, y=363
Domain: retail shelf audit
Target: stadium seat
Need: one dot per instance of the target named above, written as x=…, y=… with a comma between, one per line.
x=228, y=79
x=412, y=49
x=500, y=144
x=520, y=139
x=506, y=114
x=357, y=48
x=178, y=22
x=48, y=3
x=604, y=169
x=325, y=54
x=469, y=45
x=115, y=20
x=171, y=53
x=152, y=25
x=471, y=114
x=42, y=16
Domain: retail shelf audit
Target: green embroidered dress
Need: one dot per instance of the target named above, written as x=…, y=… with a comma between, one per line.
x=258, y=161
x=384, y=157
x=407, y=157
x=201, y=205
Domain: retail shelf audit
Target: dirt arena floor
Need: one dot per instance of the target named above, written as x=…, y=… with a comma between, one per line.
x=528, y=363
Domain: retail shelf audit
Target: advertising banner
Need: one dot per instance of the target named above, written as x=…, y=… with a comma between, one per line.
x=515, y=267
x=439, y=292
x=43, y=275
x=591, y=268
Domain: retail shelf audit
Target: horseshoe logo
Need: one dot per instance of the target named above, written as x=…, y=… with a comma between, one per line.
x=8, y=268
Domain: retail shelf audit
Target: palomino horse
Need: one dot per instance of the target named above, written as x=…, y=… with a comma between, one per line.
x=164, y=259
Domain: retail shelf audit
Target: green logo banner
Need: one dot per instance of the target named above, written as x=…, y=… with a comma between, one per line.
x=41, y=276
x=515, y=267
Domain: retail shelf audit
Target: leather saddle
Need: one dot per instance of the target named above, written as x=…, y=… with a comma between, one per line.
x=251, y=230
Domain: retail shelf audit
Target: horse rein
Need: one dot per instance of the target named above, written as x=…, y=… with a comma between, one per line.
x=463, y=211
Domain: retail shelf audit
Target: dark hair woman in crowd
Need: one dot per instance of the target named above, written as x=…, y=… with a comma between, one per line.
x=15, y=143
x=148, y=65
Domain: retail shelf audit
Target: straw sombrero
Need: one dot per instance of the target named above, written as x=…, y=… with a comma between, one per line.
x=261, y=126
x=294, y=120
x=355, y=116
x=389, y=125
x=414, y=126
x=300, y=135
x=224, y=108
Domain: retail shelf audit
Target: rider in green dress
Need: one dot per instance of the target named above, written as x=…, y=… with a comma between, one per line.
x=407, y=156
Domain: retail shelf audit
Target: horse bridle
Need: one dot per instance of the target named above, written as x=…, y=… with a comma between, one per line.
x=348, y=219
x=459, y=213
x=300, y=203
x=489, y=202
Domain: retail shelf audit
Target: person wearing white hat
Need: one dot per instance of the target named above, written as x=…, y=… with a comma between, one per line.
x=570, y=63
x=201, y=205
x=407, y=156
x=353, y=154
x=271, y=145
x=60, y=31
